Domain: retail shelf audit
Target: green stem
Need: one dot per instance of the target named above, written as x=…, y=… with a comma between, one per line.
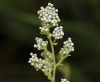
x=59, y=63
x=54, y=60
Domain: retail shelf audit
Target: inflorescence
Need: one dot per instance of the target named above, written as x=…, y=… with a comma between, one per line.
x=49, y=17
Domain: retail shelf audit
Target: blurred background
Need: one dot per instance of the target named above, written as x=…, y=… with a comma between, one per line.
x=19, y=25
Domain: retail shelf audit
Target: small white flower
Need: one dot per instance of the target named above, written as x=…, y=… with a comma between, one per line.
x=64, y=80
x=44, y=30
x=40, y=44
x=67, y=48
x=49, y=4
x=58, y=33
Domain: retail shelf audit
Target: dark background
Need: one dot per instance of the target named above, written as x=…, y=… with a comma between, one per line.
x=19, y=25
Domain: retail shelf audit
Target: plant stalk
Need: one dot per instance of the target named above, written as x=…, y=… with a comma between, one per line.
x=54, y=60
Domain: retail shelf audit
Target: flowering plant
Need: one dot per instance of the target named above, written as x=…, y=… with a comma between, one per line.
x=48, y=64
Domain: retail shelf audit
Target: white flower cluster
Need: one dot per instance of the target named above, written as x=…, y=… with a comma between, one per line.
x=64, y=80
x=47, y=67
x=35, y=61
x=49, y=15
x=46, y=64
x=44, y=30
x=40, y=43
x=58, y=33
x=67, y=48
